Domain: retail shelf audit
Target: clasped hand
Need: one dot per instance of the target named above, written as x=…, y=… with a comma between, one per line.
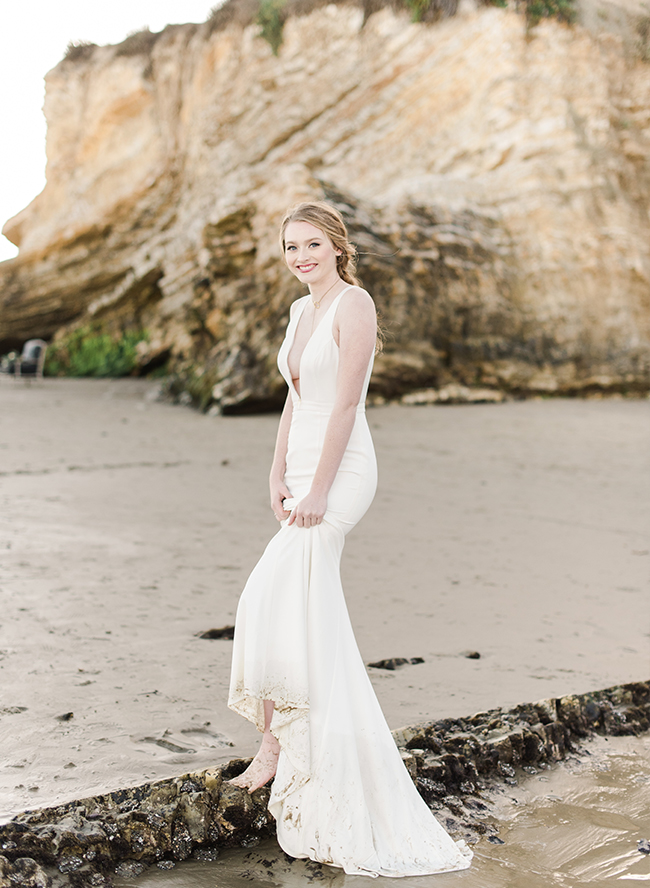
x=307, y=513
x=279, y=492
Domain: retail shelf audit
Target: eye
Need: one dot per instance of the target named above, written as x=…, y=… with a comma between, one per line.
x=290, y=247
x=315, y=244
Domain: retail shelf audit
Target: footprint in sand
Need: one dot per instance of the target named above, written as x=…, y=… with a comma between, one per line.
x=168, y=744
x=207, y=738
x=201, y=738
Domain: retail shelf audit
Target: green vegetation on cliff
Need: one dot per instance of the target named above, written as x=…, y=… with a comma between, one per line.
x=271, y=15
x=90, y=351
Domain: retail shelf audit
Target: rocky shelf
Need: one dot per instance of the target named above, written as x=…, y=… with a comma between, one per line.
x=453, y=762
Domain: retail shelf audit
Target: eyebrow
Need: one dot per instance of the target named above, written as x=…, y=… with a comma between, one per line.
x=309, y=240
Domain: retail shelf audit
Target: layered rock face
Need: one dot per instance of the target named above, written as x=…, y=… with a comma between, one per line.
x=495, y=183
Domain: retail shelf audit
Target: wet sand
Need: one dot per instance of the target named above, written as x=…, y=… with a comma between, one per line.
x=517, y=530
x=576, y=823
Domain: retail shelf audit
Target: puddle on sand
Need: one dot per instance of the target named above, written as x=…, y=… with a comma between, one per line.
x=575, y=824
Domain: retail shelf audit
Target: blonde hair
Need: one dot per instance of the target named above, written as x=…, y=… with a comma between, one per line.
x=328, y=220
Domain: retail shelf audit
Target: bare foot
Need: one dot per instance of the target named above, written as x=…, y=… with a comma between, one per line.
x=263, y=766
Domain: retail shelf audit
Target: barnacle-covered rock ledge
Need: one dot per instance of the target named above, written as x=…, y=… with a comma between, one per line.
x=452, y=761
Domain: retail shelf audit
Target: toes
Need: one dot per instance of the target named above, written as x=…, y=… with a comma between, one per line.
x=239, y=781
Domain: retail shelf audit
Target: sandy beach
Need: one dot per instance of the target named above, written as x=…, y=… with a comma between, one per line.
x=518, y=530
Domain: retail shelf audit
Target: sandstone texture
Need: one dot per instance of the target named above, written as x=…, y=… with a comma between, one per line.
x=453, y=763
x=495, y=180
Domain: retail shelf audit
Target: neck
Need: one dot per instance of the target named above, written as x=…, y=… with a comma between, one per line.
x=320, y=290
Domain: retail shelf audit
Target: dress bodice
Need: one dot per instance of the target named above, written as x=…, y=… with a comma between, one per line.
x=319, y=362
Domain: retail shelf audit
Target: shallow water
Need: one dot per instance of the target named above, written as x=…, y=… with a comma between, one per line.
x=577, y=823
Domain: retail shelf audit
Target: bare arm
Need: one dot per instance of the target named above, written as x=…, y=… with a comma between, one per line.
x=277, y=487
x=357, y=327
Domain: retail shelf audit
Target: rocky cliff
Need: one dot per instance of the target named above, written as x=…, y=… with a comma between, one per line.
x=495, y=180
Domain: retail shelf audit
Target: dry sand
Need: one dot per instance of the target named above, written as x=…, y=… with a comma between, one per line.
x=518, y=530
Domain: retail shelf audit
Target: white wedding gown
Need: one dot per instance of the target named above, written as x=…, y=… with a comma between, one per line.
x=341, y=794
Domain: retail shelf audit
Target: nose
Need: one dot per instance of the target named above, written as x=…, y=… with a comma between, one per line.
x=303, y=253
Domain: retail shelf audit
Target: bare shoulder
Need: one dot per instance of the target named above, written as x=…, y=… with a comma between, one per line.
x=355, y=321
x=293, y=308
x=357, y=303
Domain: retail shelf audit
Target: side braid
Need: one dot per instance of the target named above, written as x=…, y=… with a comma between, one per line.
x=346, y=265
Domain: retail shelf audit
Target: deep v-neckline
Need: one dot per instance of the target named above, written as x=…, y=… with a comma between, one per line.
x=314, y=332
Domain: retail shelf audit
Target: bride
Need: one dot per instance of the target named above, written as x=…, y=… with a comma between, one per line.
x=341, y=793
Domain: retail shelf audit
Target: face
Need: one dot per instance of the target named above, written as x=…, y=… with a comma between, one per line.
x=309, y=253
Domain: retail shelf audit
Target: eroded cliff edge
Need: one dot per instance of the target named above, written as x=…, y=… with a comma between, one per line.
x=496, y=183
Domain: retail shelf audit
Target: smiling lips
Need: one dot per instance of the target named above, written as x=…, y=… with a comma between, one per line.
x=305, y=268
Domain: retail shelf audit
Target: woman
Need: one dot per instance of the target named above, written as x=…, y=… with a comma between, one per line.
x=341, y=793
